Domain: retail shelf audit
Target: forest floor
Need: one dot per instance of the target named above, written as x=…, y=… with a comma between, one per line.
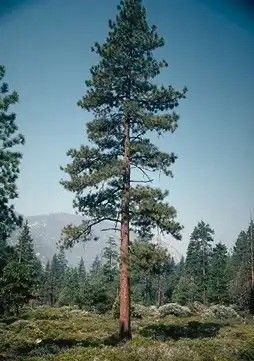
x=64, y=334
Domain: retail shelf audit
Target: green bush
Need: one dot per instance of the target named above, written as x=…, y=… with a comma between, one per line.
x=48, y=313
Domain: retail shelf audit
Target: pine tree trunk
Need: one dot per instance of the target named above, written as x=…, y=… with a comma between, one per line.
x=124, y=297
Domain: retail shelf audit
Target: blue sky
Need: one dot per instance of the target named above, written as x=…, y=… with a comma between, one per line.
x=45, y=46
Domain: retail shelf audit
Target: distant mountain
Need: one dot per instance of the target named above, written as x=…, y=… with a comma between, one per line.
x=46, y=231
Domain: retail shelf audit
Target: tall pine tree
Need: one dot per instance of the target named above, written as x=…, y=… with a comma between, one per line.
x=127, y=107
x=9, y=163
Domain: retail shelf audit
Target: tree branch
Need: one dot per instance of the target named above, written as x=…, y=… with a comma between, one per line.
x=143, y=171
x=142, y=181
x=87, y=230
x=111, y=229
x=137, y=136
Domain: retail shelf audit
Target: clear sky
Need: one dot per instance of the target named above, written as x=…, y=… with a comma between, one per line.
x=45, y=46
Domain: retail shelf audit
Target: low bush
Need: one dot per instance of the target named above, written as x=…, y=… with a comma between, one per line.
x=174, y=309
x=220, y=312
x=197, y=307
x=49, y=313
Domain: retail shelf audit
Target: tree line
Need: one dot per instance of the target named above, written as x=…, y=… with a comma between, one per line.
x=209, y=274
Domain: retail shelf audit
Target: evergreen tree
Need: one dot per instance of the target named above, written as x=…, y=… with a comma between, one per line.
x=141, y=254
x=58, y=268
x=111, y=258
x=218, y=282
x=151, y=267
x=69, y=293
x=99, y=288
x=81, y=269
x=162, y=269
x=127, y=106
x=172, y=277
x=21, y=276
x=25, y=248
x=186, y=290
x=197, y=262
x=96, y=267
x=242, y=268
x=47, y=286
x=9, y=164
x=180, y=266
x=82, y=283
x=9, y=169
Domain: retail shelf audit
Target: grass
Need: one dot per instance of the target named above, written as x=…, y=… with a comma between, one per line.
x=65, y=334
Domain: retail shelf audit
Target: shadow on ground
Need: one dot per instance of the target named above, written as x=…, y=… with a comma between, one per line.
x=161, y=332
x=192, y=330
x=56, y=346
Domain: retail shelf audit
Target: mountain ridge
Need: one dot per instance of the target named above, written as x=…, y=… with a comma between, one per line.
x=46, y=231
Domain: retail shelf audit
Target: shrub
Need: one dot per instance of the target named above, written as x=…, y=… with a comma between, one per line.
x=141, y=311
x=174, y=309
x=137, y=310
x=45, y=350
x=197, y=307
x=48, y=313
x=220, y=312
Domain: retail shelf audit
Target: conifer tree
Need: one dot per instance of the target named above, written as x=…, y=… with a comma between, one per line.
x=82, y=283
x=110, y=258
x=47, y=286
x=198, y=258
x=218, y=282
x=151, y=266
x=58, y=268
x=98, y=293
x=96, y=266
x=21, y=276
x=186, y=290
x=9, y=163
x=127, y=107
x=82, y=269
x=180, y=266
x=69, y=293
x=171, y=278
x=242, y=269
x=25, y=247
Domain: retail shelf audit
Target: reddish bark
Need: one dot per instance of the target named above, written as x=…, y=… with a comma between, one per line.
x=125, y=328
x=124, y=297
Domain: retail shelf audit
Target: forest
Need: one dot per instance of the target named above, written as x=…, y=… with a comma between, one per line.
x=209, y=275
x=136, y=302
